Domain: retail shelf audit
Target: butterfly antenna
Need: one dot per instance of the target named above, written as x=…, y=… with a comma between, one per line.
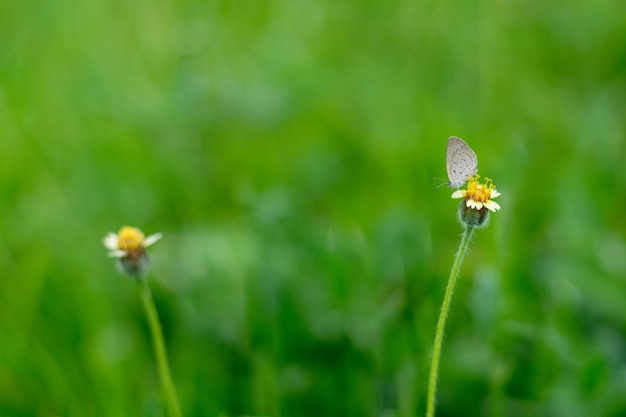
x=438, y=179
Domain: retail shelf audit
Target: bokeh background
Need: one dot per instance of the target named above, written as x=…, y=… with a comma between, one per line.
x=284, y=149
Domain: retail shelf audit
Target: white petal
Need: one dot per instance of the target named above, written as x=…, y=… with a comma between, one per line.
x=117, y=253
x=495, y=193
x=110, y=241
x=492, y=205
x=152, y=239
x=458, y=194
x=474, y=204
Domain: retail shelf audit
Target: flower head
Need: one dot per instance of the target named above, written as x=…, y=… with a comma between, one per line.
x=129, y=247
x=477, y=197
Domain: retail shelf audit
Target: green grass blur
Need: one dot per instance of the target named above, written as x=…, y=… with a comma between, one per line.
x=284, y=149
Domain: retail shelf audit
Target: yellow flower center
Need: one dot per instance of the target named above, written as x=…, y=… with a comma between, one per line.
x=129, y=238
x=479, y=192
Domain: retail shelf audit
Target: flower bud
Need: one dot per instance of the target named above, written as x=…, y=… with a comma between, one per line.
x=469, y=216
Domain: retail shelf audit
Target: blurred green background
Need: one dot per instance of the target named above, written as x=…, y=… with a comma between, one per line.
x=284, y=149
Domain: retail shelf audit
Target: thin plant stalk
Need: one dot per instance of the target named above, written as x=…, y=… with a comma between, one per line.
x=441, y=323
x=169, y=391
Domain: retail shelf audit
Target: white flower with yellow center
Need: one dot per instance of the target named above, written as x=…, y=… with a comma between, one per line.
x=479, y=195
x=129, y=247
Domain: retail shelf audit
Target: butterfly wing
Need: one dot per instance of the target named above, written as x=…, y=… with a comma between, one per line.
x=461, y=162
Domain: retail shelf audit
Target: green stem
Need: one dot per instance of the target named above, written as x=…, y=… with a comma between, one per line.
x=441, y=323
x=159, y=349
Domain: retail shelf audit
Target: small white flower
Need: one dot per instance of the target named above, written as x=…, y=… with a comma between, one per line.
x=479, y=195
x=129, y=247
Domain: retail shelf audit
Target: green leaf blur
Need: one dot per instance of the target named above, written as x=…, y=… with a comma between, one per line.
x=284, y=148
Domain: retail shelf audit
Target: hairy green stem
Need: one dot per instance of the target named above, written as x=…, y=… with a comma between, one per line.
x=159, y=349
x=441, y=323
